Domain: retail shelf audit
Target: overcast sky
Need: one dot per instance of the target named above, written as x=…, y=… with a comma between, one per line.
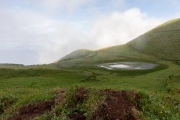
x=43, y=31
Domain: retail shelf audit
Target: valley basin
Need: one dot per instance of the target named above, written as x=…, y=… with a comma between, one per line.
x=128, y=65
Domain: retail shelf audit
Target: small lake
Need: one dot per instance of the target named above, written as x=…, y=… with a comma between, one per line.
x=128, y=65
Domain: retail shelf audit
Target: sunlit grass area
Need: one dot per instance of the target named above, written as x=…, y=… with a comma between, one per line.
x=162, y=41
x=158, y=87
x=79, y=84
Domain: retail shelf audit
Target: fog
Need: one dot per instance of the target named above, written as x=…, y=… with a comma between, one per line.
x=30, y=36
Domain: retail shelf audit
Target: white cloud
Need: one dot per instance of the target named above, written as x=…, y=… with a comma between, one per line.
x=23, y=26
x=45, y=40
x=121, y=27
x=65, y=39
x=113, y=29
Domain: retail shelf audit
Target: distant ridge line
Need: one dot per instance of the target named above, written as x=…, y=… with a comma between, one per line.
x=168, y=31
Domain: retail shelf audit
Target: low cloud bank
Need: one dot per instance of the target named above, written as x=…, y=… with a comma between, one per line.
x=47, y=40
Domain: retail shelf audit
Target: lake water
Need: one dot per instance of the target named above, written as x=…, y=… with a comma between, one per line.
x=128, y=65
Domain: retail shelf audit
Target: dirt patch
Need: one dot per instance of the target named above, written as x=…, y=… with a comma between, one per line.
x=79, y=96
x=77, y=115
x=59, y=96
x=119, y=105
x=32, y=110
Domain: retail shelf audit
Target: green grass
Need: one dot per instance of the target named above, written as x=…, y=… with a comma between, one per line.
x=37, y=78
x=162, y=41
x=31, y=85
x=88, y=76
x=25, y=85
x=20, y=85
x=77, y=54
x=111, y=54
x=83, y=75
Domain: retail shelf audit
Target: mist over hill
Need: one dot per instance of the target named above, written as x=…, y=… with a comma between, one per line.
x=162, y=42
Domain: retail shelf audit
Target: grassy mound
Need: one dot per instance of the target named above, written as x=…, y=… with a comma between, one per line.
x=111, y=54
x=33, y=92
x=80, y=103
x=77, y=54
x=30, y=94
x=162, y=42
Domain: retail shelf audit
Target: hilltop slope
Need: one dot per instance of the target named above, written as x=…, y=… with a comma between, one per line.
x=162, y=41
x=77, y=54
x=115, y=53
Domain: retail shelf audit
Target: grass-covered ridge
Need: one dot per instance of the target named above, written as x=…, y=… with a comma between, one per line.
x=111, y=54
x=22, y=89
x=162, y=41
x=77, y=54
x=76, y=88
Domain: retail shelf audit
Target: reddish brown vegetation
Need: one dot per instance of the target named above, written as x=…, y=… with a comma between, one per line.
x=59, y=96
x=30, y=111
x=78, y=98
x=80, y=95
x=77, y=115
x=118, y=105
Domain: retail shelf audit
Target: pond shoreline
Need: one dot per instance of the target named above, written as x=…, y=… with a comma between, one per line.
x=129, y=65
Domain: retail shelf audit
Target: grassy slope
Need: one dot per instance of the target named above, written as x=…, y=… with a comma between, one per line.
x=34, y=83
x=19, y=66
x=158, y=45
x=162, y=41
x=115, y=53
x=77, y=54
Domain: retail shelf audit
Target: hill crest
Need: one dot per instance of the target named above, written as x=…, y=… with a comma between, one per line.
x=162, y=42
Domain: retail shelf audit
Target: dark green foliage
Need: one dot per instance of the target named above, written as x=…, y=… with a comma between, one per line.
x=171, y=84
x=90, y=76
x=37, y=78
x=80, y=103
x=6, y=101
x=13, y=73
x=159, y=106
x=162, y=41
x=177, y=62
x=160, y=99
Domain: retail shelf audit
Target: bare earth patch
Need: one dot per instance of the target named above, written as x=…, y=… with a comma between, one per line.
x=32, y=110
x=118, y=105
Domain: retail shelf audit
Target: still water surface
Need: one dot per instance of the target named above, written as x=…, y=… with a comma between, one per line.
x=128, y=65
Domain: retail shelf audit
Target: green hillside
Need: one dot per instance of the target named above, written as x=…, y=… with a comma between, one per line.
x=162, y=41
x=77, y=54
x=76, y=88
x=115, y=53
